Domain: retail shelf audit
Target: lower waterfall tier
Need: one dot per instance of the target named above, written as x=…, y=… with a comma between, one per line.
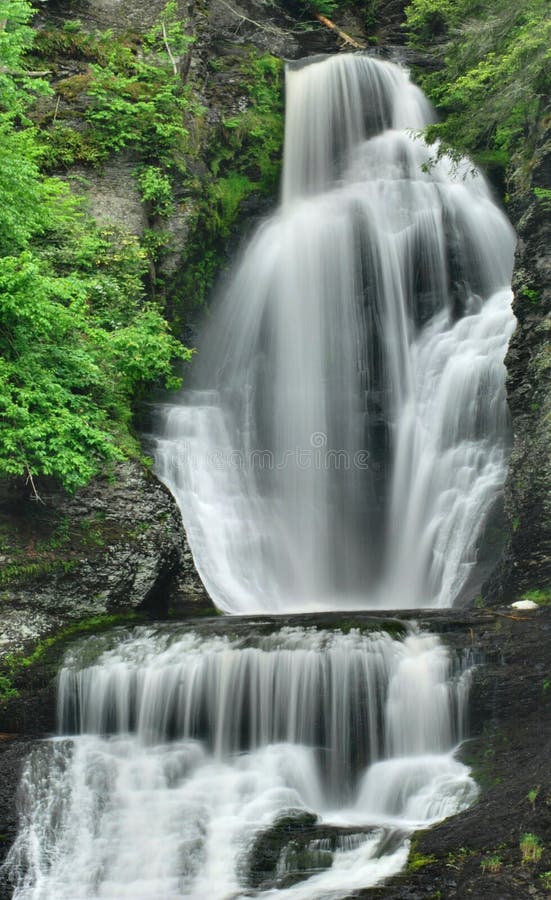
x=296, y=762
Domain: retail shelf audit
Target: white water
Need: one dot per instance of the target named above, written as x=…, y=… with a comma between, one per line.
x=346, y=440
x=345, y=445
x=188, y=747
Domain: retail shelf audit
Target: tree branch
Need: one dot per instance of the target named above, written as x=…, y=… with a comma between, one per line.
x=271, y=29
x=342, y=34
x=168, y=50
x=30, y=479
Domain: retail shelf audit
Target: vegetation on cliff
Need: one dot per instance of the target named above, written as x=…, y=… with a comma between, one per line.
x=494, y=76
x=79, y=338
x=84, y=308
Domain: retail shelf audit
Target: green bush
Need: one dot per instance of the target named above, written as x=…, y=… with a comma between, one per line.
x=495, y=77
x=79, y=340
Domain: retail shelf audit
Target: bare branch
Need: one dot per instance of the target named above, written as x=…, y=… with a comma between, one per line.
x=272, y=29
x=30, y=480
x=56, y=109
x=168, y=50
x=342, y=34
x=23, y=73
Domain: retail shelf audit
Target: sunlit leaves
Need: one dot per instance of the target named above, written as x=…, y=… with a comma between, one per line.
x=78, y=338
x=496, y=76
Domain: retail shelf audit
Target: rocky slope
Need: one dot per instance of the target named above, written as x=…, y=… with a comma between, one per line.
x=526, y=565
x=116, y=545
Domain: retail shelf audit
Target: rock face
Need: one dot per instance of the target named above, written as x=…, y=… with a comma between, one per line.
x=527, y=562
x=116, y=545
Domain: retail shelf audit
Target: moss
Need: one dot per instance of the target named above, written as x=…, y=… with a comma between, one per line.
x=47, y=650
x=480, y=754
x=541, y=596
x=243, y=158
x=417, y=860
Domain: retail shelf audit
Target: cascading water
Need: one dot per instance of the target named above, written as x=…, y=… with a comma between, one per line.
x=345, y=446
x=346, y=442
x=189, y=748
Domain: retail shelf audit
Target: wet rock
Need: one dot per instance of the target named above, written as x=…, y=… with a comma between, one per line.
x=261, y=864
x=526, y=565
x=116, y=545
x=295, y=847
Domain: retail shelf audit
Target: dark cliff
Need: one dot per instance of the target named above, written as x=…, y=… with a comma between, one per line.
x=526, y=567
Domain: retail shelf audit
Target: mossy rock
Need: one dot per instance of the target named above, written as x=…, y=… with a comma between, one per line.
x=260, y=866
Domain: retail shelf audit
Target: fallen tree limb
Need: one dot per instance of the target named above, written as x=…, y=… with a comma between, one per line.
x=342, y=34
x=23, y=73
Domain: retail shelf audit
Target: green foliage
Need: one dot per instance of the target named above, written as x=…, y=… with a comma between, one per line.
x=156, y=189
x=532, y=795
x=25, y=572
x=142, y=106
x=530, y=848
x=492, y=863
x=225, y=198
x=308, y=8
x=544, y=197
x=78, y=339
x=541, y=597
x=325, y=7
x=16, y=37
x=246, y=159
x=252, y=141
x=7, y=689
x=132, y=90
x=419, y=860
x=495, y=77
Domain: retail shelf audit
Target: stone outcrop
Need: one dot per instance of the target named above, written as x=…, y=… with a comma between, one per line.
x=114, y=546
x=526, y=565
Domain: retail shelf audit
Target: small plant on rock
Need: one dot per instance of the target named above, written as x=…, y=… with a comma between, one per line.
x=491, y=864
x=530, y=848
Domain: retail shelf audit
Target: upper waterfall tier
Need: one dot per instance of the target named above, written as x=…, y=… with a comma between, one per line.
x=347, y=438
x=334, y=104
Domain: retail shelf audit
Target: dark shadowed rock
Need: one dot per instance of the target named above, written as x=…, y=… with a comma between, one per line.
x=114, y=546
x=526, y=565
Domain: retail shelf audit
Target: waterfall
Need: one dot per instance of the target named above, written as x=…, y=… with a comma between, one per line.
x=345, y=440
x=188, y=749
x=344, y=444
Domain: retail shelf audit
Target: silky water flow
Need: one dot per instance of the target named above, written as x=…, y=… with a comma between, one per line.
x=346, y=440
x=187, y=748
x=344, y=446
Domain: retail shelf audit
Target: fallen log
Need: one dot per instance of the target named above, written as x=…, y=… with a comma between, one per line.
x=342, y=34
